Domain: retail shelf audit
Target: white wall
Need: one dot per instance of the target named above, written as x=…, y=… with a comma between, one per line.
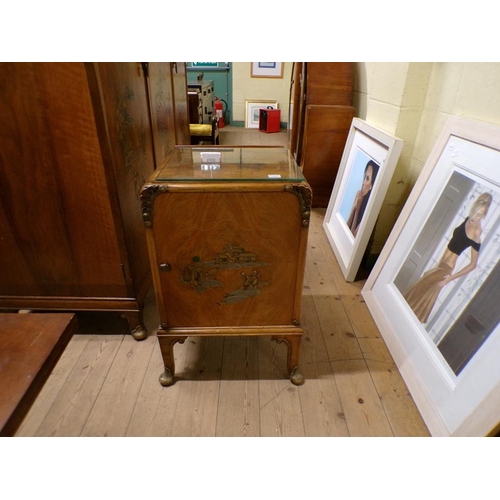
x=246, y=87
x=413, y=102
x=409, y=100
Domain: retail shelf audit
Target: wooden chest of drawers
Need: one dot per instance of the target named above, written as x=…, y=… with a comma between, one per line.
x=227, y=244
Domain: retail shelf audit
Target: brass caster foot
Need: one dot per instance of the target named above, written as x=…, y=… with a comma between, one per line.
x=139, y=333
x=166, y=378
x=296, y=377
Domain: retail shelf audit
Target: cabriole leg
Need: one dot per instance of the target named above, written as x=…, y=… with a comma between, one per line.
x=137, y=328
x=167, y=352
x=293, y=343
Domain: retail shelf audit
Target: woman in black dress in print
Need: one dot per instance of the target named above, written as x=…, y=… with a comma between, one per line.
x=422, y=296
x=362, y=197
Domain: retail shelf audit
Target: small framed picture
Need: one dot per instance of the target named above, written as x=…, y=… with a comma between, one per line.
x=366, y=168
x=434, y=291
x=252, y=110
x=266, y=70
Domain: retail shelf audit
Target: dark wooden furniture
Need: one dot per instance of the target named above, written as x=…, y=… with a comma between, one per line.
x=205, y=91
x=77, y=142
x=30, y=346
x=227, y=244
x=195, y=107
x=321, y=116
x=200, y=132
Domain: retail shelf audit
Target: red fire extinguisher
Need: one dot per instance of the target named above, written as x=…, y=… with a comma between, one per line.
x=219, y=112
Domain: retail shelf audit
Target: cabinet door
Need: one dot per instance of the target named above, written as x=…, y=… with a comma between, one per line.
x=57, y=230
x=228, y=259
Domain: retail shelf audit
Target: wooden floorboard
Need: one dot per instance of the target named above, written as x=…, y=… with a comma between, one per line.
x=42, y=405
x=110, y=415
x=80, y=392
x=238, y=405
x=251, y=137
x=322, y=409
x=363, y=410
x=196, y=410
x=280, y=409
x=154, y=410
x=106, y=383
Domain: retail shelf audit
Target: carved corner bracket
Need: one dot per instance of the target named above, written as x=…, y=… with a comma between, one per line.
x=148, y=194
x=304, y=193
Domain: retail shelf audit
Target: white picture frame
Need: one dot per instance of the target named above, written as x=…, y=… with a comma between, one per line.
x=266, y=70
x=348, y=228
x=446, y=344
x=252, y=110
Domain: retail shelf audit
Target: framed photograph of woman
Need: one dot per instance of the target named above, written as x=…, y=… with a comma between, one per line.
x=434, y=291
x=366, y=168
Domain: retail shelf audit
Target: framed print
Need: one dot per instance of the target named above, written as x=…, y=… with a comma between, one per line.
x=365, y=172
x=266, y=70
x=434, y=291
x=252, y=107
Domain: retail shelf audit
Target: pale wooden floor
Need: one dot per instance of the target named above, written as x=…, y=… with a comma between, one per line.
x=231, y=135
x=106, y=383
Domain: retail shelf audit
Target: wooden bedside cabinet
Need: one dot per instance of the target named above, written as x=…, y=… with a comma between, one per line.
x=227, y=244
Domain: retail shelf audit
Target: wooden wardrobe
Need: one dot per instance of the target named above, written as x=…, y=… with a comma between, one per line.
x=321, y=115
x=77, y=142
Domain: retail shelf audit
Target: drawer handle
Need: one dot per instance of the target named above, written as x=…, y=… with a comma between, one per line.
x=164, y=267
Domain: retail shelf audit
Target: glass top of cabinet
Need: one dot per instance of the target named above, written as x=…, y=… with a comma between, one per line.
x=243, y=163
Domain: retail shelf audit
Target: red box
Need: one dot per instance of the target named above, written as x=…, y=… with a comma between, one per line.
x=269, y=120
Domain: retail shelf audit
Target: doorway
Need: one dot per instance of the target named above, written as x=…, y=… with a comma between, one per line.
x=220, y=74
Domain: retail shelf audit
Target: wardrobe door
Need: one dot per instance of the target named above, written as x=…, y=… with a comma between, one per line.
x=299, y=110
x=324, y=97
x=161, y=98
x=330, y=83
x=122, y=110
x=58, y=231
x=179, y=83
x=327, y=130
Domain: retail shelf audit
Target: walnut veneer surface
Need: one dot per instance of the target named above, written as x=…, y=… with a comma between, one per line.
x=30, y=346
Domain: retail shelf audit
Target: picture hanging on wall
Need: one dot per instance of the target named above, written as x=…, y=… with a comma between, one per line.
x=366, y=168
x=252, y=110
x=266, y=70
x=434, y=290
